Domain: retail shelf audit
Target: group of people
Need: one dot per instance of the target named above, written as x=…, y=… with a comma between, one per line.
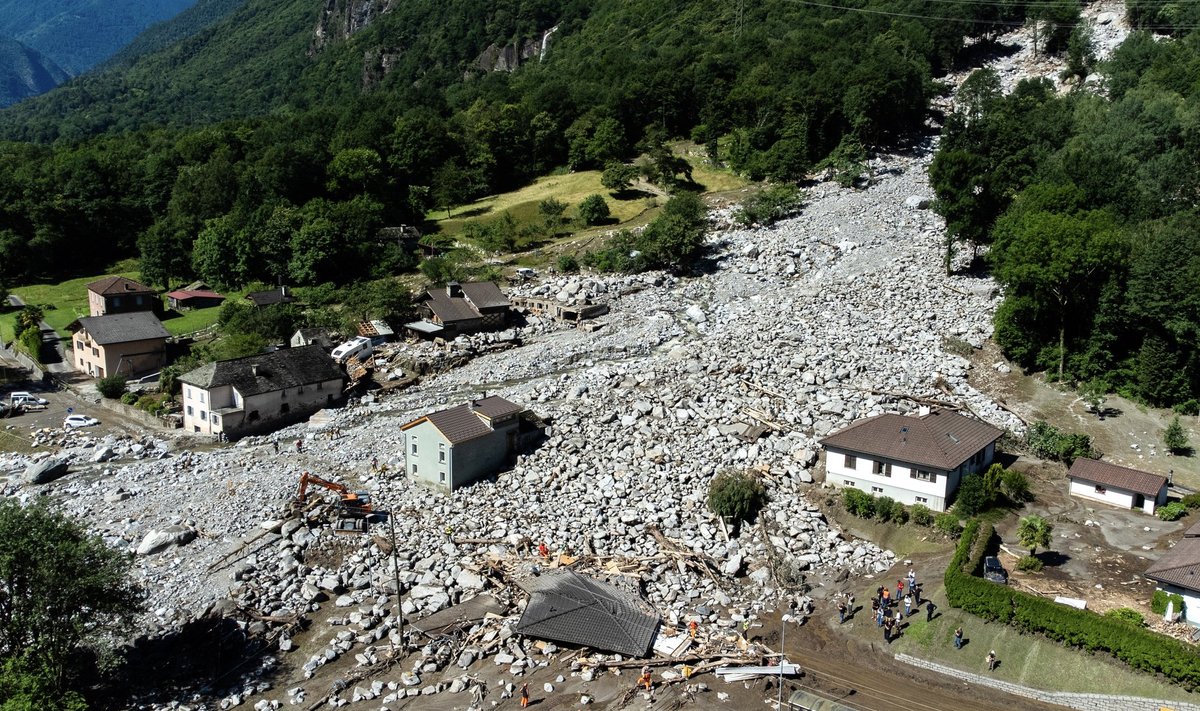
x=907, y=596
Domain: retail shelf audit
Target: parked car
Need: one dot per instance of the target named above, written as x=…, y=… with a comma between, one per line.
x=80, y=421
x=993, y=571
x=359, y=346
x=22, y=397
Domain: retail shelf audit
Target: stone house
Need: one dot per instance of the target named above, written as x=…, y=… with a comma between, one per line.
x=1110, y=484
x=259, y=392
x=914, y=460
x=122, y=343
x=460, y=309
x=117, y=294
x=450, y=448
x=1178, y=572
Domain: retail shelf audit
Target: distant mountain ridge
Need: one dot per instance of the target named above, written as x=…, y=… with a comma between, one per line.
x=25, y=72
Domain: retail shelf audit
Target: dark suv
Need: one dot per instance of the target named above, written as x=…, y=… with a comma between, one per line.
x=993, y=571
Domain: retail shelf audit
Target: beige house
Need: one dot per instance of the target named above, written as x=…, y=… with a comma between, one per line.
x=117, y=294
x=124, y=344
x=260, y=392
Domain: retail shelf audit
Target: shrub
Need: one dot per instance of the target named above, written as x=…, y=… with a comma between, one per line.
x=899, y=514
x=1175, y=438
x=1048, y=442
x=568, y=264
x=948, y=525
x=859, y=503
x=770, y=205
x=736, y=496
x=1030, y=564
x=111, y=387
x=1127, y=615
x=1188, y=407
x=972, y=497
x=1192, y=501
x=1015, y=487
x=129, y=398
x=1158, y=602
x=883, y=508
x=1172, y=511
x=921, y=515
x=593, y=210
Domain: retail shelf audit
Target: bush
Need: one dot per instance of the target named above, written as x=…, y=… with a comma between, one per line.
x=972, y=497
x=1048, y=442
x=736, y=496
x=1140, y=648
x=567, y=263
x=111, y=387
x=1127, y=615
x=859, y=503
x=770, y=205
x=1015, y=487
x=883, y=508
x=129, y=398
x=593, y=210
x=921, y=515
x=1158, y=602
x=948, y=525
x=1188, y=407
x=1172, y=511
x=1192, y=501
x=1175, y=438
x=899, y=514
x=1030, y=564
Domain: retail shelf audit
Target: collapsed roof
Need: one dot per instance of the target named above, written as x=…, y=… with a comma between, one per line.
x=565, y=606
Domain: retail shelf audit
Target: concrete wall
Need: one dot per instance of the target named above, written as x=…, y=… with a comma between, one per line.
x=121, y=303
x=1113, y=497
x=480, y=457
x=427, y=456
x=430, y=459
x=129, y=358
x=901, y=485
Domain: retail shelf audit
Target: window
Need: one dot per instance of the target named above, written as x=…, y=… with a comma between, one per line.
x=284, y=408
x=441, y=453
x=1101, y=490
x=414, y=471
x=921, y=475
x=442, y=477
x=851, y=461
x=922, y=499
x=320, y=386
x=847, y=482
x=876, y=489
x=882, y=469
x=300, y=390
x=195, y=428
x=283, y=394
x=190, y=413
x=253, y=416
x=116, y=301
x=96, y=352
x=214, y=418
x=203, y=415
x=202, y=393
x=414, y=445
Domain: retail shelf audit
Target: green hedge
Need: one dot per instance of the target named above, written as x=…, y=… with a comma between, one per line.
x=1139, y=648
x=1158, y=603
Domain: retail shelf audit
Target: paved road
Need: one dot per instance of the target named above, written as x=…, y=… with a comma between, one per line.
x=53, y=356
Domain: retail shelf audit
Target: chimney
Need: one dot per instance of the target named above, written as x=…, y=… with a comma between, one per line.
x=453, y=289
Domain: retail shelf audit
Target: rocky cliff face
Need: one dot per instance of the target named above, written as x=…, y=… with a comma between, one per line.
x=340, y=19
x=510, y=56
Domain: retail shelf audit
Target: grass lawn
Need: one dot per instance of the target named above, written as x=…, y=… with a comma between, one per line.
x=8, y=326
x=66, y=301
x=1029, y=660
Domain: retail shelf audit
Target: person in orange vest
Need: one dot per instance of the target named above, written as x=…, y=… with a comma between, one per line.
x=646, y=680
x=692, y=629
x=887, y=599
x=543, y=551
x=525, y=695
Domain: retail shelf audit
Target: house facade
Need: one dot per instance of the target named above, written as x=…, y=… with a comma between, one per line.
x=117, y=294
x=1177, y=572
x=454, y=447
x=914, y=460
x=118, y=344
x=260, y=392
x=460, y=309
x=1117, y=486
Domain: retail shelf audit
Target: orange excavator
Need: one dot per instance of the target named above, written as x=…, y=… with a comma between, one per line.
x=353, y=506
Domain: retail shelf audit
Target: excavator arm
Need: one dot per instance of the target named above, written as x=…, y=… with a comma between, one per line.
x=306, y=479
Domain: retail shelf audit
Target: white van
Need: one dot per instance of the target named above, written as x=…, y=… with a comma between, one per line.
x=357, y=347
x=22, y=397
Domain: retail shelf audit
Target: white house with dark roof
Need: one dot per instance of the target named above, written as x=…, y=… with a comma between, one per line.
x=914, y=460
x=1178, y=572
x=1118, y=486
x=259, y=392
x=454, y=447
x=118, y=344
x=460, y=309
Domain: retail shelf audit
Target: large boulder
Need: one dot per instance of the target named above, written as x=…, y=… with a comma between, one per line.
x=156, y=541
x=46, y=471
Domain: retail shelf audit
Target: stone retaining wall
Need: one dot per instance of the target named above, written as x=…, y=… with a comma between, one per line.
x=1084, y=702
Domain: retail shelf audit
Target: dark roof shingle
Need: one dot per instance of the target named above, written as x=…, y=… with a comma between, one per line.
x=942, y=439
x=267, y=372
x=113, y=285
x=274, y=296
x=1115, y=477
x=1179, y=566
x=466, y=422
x=485, y=295
x=567, y=607
x=450, y=308
x=121, y=328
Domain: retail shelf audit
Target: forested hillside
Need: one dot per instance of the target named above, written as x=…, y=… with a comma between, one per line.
x=25, y=72
x=1089, y=205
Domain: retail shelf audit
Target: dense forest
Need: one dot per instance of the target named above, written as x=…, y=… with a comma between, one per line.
x=1089, y=206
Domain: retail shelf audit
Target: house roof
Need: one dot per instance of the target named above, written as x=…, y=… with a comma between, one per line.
x=485, y=294
x=267, y=372
x=181, y=294
x=121, y=328
x=450, y=308
x=466, y=422
x=568, y=607
x=1116, y=477
x=118, y=285
x=1179, y=566
x=1193, y=531
x=274, y=296
x=942, y=439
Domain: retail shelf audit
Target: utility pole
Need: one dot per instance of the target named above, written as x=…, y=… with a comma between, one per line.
x=396, y=573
